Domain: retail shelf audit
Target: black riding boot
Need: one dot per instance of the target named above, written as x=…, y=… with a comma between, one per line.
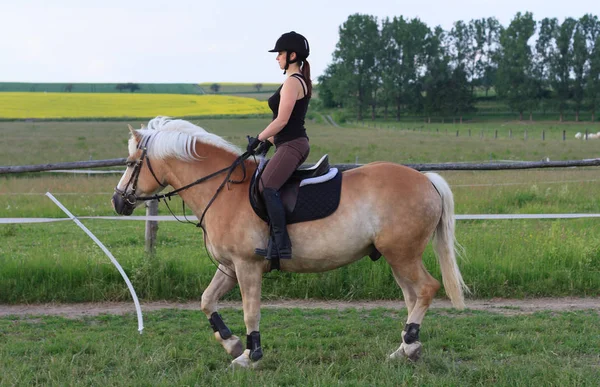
x=279, y=243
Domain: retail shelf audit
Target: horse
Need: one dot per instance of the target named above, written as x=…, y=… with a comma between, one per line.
x=383, y=207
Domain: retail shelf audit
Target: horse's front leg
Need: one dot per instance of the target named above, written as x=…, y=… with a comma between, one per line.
x=223, y=281
x=249, y=275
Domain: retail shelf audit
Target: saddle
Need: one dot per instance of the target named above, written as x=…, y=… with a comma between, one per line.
x=309, y=194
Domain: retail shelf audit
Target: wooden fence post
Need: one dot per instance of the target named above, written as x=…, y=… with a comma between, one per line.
x=151, y=226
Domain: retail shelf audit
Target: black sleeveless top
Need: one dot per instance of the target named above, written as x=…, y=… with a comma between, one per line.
x=295, y=127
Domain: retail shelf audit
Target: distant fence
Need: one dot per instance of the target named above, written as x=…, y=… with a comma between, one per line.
x=468, y=132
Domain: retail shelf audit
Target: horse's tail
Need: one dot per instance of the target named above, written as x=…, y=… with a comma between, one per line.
x=445, y=245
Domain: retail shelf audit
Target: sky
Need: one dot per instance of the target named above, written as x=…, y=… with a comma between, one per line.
x=181, y=41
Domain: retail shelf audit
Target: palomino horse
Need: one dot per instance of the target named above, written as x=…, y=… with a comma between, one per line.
x=384, y=206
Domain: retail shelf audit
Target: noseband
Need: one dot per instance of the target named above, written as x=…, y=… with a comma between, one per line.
x=131, y=197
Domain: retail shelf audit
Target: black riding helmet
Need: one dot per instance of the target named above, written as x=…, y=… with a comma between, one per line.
x=292, y=42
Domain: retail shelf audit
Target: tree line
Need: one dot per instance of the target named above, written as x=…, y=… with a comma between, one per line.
x=402, y=66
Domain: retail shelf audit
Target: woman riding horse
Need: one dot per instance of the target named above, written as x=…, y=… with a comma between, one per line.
x=384, y=207
x=287, y=132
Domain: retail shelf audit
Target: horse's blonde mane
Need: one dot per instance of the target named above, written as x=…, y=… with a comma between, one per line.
x=166, y=137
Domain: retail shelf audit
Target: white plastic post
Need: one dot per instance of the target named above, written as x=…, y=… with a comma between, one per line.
x=114, y=261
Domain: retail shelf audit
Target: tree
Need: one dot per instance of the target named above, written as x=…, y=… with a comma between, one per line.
x=69, y=87
x=355, y=62
x=580, y=64
x=464, y=68
x=437, y=75
x=329, y=87
x=488, y=53
x=258, y=86
x=593, y=83
x=215, y=87
x=461, y=49
x=591, y=27
x=544, y=52
x=562, y=63
x=403, y=62
x=515, y=64
x=461, y=100
x=132, y=87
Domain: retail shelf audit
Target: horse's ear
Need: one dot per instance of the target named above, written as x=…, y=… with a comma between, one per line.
x=134, y=133
x=143, y=126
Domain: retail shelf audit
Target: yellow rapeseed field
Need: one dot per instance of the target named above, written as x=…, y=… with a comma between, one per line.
x=79, y=105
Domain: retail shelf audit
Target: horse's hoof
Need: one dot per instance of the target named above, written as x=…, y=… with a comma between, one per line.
x=412, y=351
x=399, y=354
x=243, y=361
x=234, y=346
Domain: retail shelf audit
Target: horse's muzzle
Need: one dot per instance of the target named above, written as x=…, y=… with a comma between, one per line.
x=121, y=206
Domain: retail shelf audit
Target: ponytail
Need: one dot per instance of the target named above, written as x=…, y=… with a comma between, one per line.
x=306, y=74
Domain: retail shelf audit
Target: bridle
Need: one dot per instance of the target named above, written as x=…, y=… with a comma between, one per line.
x=131, y=198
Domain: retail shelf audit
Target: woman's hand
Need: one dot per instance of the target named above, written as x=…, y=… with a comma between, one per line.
x=253, y=143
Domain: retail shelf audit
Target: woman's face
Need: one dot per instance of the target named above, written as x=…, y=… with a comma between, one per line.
x=281, y=56
x=281, y=59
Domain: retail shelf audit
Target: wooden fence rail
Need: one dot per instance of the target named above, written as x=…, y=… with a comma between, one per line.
x=342, y=167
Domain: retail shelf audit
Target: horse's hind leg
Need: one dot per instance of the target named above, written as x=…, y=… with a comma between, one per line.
x=410, y=297
x=414, y=279
x=223, y=281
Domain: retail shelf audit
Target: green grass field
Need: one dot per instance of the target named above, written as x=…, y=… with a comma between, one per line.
x=304, y=347
x=508, y=258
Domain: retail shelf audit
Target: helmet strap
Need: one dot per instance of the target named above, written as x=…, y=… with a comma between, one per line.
x=288, y=61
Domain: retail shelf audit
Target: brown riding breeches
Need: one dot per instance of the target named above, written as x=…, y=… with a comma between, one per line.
x=287, y=158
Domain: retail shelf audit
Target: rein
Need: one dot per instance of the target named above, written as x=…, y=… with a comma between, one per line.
x=131, y=198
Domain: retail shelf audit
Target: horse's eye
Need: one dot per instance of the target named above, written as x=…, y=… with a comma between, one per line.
x=130, y=164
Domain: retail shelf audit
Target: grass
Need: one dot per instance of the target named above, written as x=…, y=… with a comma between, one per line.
x=509, y=258
x=304, y=347
x=504, y=259
x=44, y=142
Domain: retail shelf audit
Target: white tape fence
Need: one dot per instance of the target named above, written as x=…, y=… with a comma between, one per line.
x=167, y=218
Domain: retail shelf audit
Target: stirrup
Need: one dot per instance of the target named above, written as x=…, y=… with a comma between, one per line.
x=271, y=252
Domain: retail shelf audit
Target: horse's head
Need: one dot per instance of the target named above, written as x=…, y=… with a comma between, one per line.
x=140, y=178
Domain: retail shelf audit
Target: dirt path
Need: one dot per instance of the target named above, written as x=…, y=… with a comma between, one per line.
x=502, y=306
